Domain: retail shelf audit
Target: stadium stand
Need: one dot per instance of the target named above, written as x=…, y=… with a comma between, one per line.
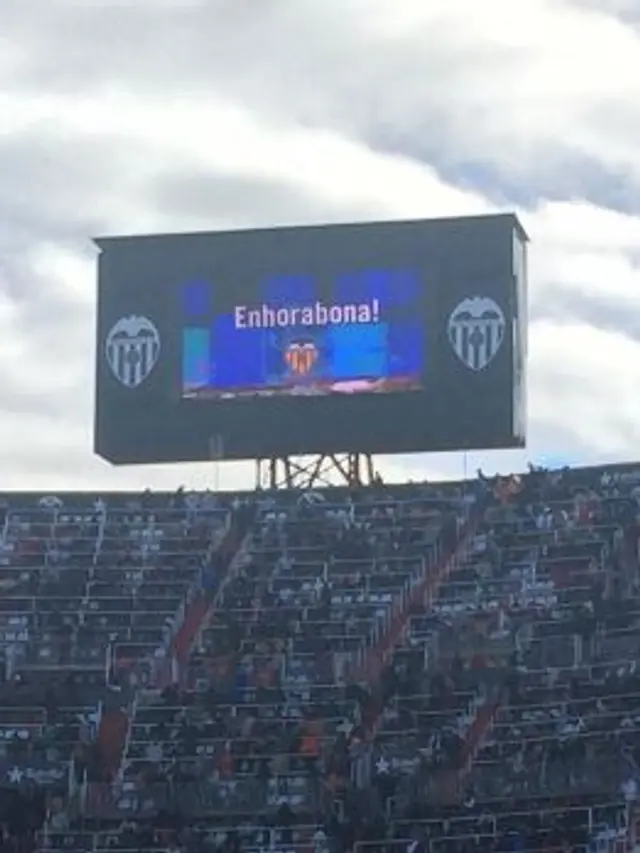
x=442, y=668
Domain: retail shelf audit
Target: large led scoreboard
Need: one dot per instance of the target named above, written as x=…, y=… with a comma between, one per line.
x=374, y=337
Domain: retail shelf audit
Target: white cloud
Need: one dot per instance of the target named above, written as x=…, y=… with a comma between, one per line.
x=570, y=360
x=315, y=112
x=586, y=252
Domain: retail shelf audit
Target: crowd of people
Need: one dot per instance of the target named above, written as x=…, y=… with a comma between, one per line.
x=446, y=668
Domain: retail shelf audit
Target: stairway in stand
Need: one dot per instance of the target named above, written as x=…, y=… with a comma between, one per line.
x=379, y=655
x=114, y=726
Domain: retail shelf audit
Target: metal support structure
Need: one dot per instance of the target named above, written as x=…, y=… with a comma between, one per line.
x=343, y=469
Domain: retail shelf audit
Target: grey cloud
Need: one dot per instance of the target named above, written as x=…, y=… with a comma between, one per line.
x=549, y=178
x=60, y=407
x=65, y=187
x=74, y=48
x=216, y=199
x=318, y=65
x=56, y=320
x=601, y=313
x=301, y=63
x=71, y=189
x=626, y=11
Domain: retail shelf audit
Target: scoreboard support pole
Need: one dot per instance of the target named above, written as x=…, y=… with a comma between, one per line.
x=343, y=469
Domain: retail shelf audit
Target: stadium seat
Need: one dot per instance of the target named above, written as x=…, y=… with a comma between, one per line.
x=451, y=667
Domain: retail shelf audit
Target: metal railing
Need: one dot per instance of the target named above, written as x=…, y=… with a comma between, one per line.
x=200, y=797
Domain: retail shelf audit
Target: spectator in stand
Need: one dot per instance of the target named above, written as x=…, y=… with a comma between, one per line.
x=350, y=684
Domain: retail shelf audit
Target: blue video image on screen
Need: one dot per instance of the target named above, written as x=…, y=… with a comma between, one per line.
x=367, y=336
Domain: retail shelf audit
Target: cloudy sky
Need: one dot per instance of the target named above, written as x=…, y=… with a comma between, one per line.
x=160, y=115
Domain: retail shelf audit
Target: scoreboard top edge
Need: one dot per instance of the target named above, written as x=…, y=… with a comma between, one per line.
x=509, y=219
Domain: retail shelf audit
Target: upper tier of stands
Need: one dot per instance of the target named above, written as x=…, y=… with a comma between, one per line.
x=451, y=666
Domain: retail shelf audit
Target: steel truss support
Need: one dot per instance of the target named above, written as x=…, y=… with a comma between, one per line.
x=344, y=469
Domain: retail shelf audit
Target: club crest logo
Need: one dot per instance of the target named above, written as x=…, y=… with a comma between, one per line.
x=132, y=349
x=301, y=357
x=476, y=331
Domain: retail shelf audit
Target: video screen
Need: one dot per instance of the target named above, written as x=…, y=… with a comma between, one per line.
x=362, y=332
